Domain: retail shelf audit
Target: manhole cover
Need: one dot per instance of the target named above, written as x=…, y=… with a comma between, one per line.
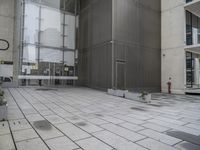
x=42, y=125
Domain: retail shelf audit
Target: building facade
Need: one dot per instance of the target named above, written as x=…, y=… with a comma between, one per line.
x=96, y=43
x=42, y=37
x=120, y=44
x=180, y=45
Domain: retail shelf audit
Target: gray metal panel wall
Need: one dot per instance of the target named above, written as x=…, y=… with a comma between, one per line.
x=137, y=35
x=95, y=47
x=136, y=40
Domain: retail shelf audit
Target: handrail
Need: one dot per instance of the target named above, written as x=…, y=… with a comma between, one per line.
x=8, y=45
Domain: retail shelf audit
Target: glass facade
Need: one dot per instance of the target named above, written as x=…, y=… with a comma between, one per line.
x=49, y=53
x=192, y=70
x=192, y=29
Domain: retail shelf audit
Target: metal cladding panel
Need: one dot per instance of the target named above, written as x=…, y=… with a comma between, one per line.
x=137, y=35
x=101, y=21
x=136, y=41
x=83, y=67
x=95, y=60
x=142, y=66
x=150, y=28
x=101, y=66
x=136, y=23
x=95, y=67
x=85, y=29
x=96, y=23
x=126, y=21
x=85, y=3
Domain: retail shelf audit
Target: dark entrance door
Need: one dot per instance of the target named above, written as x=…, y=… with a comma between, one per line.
x=121, y=74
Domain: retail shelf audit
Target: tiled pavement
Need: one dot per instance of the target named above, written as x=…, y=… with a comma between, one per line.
x=81, y=118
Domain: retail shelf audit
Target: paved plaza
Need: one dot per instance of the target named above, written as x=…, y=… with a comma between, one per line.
x=86, y=119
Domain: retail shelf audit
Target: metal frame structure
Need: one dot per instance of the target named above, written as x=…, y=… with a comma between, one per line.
x=38, y=45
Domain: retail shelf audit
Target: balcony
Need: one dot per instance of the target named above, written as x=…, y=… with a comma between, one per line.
x=193, y=48
x=193, y=6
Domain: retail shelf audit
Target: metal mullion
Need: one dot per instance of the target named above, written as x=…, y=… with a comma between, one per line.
x=75, y=42
x=63, y=42
x=63, y=37
x=191, y=26
x=21, y=52
x=39, y=35
x=191, y=70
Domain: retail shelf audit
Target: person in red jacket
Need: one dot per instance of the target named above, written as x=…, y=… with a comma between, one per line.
x=169, y=83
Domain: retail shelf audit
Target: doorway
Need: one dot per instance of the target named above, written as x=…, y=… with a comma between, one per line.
x=120, y=74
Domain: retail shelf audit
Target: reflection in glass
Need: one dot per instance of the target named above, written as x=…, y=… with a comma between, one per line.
x=31, y=23
x=69, y=31
x=51, y=55
x=30, y=54
x=51, y=28
x=69, y=58
x=49, y=43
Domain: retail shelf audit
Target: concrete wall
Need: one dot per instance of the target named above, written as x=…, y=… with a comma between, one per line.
x=17, y=40
x=7, y=27
x=173, y=42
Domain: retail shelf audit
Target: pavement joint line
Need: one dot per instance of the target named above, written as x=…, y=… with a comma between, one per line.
x=26, y=139
x=27, y=97
x=12, y=135
x=54, y=127
x=26, y=118
x=90, y=134
x=79, y=128
x=83, y=139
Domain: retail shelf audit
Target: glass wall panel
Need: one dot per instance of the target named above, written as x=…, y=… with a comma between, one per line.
x=70, y=31
x=192, y=29
x=50, y=3
x=49, y=44
x=69, y=58
x=51, y=28
x=30, y=54
x=199, y=30
x=195, y=29
x=31, y=23
x=51, y=55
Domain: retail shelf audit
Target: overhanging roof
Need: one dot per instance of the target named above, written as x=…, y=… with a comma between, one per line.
x=193, y=7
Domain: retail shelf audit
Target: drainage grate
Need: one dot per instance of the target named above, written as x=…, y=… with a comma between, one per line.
x=46, y=89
